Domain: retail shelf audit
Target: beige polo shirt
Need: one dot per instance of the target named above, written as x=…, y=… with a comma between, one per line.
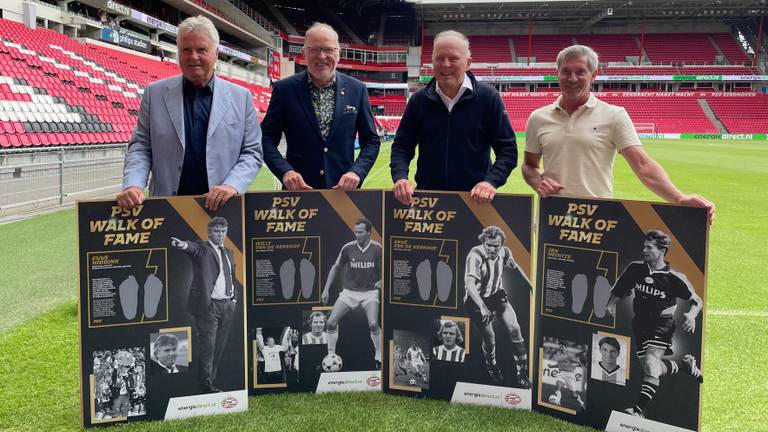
x=578, y=150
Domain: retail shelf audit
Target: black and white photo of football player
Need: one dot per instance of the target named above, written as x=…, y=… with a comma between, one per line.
x=360, y=262
x=608, y=360
x=657, y=289
x=486, y=301
x=452, y=340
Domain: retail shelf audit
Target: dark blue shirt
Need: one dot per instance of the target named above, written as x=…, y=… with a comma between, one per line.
x=197, y=111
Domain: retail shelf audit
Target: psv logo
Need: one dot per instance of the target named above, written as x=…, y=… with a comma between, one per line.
x=512, y=399
x=374, y=381
x=648, y=280
x=229, y=402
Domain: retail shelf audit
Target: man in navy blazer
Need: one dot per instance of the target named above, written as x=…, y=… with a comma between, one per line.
x=196, y=133
x=320, y=111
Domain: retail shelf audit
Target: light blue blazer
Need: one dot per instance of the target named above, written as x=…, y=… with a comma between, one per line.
x=233, y=151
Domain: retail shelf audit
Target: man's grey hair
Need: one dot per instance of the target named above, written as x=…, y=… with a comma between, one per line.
x=200, y=24
x=578, y=51
x=316, y=26
x=455, y=35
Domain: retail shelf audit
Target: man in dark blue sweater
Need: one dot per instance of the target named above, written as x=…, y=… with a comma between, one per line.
x=455, y=121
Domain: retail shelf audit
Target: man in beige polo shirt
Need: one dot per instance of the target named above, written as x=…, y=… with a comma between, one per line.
x=579, y=135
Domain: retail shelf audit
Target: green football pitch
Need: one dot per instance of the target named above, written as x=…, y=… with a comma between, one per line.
x=39, y=367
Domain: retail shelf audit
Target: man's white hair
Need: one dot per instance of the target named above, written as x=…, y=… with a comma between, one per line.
x=454, y=35
x=578, y=51
x=316, y=26
x=200, y=24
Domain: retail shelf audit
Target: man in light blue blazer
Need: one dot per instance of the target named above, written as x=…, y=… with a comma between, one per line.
x=196, y=133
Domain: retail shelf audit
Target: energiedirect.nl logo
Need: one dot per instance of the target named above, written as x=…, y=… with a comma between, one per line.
x=229, y=402
x=373, y=381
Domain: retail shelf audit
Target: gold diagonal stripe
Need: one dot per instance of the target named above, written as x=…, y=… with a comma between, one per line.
x=197, y=219
x=348, y=211
x=647, y=219
x=487, y=215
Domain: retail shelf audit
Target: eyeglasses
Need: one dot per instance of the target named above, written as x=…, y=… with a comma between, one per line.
x=316, y=51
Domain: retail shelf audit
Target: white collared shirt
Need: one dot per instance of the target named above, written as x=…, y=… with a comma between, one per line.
x=450, y=103
x=220, y=287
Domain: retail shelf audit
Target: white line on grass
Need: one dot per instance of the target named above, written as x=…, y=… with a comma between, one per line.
x=738, y=312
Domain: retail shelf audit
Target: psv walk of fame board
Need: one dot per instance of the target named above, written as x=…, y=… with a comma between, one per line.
x=162, y=321
x=457, y=298
x=314, y=285
x=619, y=313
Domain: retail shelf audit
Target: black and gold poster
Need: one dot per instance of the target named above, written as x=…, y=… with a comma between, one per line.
x=457, y=298
x=314, y=288
x=162, y=317
x=619, y=313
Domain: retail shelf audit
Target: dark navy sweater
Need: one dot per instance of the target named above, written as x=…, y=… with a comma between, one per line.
x=455, y=147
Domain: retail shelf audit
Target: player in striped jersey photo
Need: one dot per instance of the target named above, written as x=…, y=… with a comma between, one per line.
x=486, y=300
x=451, y=337
x=317, y=334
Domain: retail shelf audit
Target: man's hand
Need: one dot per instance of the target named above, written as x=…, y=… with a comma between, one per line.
x=483, y=192
x=348, y=181
x=404, y=191
x=547, y=187
x=178, y=244
x=699, y=201
x=130, y=197
x=324, y=297
x=485, y=312
x=689, y=325
x=293, y=181
x=217, y=196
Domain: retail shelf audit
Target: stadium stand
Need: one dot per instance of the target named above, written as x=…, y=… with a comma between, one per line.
x=679, y=48
x=741, y=114
x=542, y=47
x=57, y=91
x=733, y=52
x=668, y=115
x=610, y=49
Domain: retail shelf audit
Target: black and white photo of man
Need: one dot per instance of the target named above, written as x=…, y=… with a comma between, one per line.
x=657, y=288
x=212, y=298
x=165, y=355
x=452, y=340
x=273, y=366
x=317, y=334
x=360, y=260
x=486, y=300
x=606, y=366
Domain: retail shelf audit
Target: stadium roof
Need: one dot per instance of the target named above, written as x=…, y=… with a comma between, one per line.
x=588, y=12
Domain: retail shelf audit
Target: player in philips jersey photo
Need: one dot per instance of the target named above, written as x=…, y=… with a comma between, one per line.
x=450, y=335
x=486, y=300
x=360, y=261
x=656, y=290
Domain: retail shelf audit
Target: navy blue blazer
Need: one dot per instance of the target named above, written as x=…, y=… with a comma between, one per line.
x=320, y=162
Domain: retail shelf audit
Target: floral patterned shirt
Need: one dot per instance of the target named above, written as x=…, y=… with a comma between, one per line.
x=324, y=103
